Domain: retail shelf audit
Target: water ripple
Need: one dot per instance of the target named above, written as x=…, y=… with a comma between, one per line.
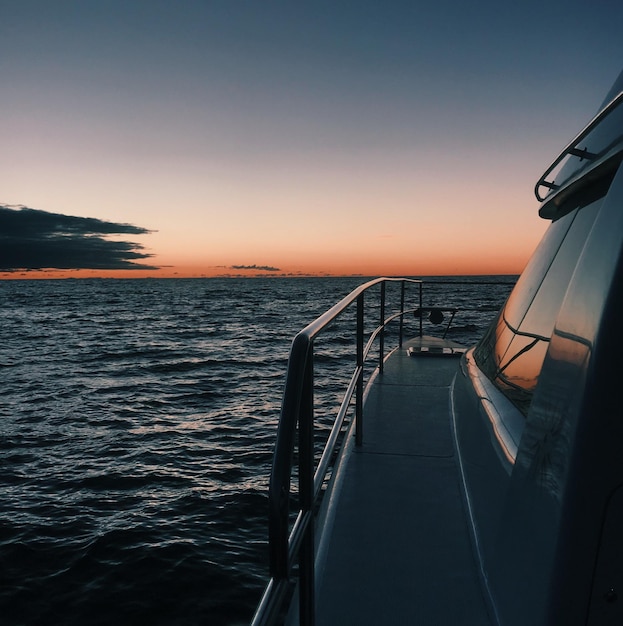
x=136, y=433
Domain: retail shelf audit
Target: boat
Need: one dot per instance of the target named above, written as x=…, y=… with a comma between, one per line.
x=478, y=485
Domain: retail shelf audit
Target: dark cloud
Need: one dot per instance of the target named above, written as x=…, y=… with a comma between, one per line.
x=32, y=239
x=261, y=268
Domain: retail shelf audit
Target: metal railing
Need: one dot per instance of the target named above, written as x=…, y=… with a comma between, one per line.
x=572, y=149
x=289, y=547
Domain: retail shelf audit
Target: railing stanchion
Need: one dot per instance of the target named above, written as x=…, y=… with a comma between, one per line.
x=381, y=324
x=359, y=390
x=421, y=311
x=306, y=493
x=402, y=317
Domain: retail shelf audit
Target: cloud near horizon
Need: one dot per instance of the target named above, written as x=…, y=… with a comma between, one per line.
x=259, y=268
x=31, y=239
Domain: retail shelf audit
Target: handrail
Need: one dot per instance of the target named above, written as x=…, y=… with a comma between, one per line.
x=297, y=409
x=572, y=150
x=286, y=547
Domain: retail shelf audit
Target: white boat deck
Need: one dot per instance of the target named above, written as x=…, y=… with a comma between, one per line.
x=396, y=547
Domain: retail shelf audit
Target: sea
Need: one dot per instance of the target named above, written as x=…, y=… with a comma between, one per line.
x=137, y=423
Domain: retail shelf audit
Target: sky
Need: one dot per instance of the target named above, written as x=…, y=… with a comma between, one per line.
x=231, y=137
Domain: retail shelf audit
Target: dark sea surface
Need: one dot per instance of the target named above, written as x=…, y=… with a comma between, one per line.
x=137, y=421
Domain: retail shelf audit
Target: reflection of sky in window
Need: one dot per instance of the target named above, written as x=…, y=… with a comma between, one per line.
x=520, y=350
x=522, y=370
x=540, y=319
x=528, y=284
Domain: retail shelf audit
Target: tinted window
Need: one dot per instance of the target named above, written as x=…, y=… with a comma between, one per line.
x=512, y=353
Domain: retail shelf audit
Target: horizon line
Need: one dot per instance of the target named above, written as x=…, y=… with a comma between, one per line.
x=253, y=276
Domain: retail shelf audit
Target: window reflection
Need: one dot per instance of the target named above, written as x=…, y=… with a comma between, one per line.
x=528, y=284
x=511, y=354
x=519, y=374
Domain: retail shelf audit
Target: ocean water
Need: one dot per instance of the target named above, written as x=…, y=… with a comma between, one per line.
x=137, y=419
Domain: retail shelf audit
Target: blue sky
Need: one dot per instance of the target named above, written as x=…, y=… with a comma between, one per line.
x=386, y=137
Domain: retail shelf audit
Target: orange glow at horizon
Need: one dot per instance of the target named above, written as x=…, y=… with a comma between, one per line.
x=454, y=265
x=417, y=247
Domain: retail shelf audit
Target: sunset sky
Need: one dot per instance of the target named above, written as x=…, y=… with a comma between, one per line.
x=270, y=138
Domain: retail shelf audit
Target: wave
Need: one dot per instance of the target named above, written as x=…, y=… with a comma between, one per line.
x=139, y=421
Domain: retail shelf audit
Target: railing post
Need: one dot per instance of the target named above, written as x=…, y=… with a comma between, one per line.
x=382, y=335
x=306, y=494
x=279, y=485
x=421, y=310
x=359, y=390
x=402, y=308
